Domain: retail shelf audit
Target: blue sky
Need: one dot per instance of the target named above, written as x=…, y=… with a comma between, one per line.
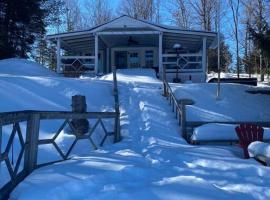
x=226, y=24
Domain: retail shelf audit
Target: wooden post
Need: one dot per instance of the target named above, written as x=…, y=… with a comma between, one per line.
x=31, y=143
x=117, y=136
x=183, y=103
x=79, y=106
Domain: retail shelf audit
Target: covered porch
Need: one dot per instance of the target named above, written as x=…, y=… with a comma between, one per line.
x=129, y=43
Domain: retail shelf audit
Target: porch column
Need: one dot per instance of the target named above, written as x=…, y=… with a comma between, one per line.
x=96, y=53
x=107, y=60
x=204, y=56
x=58, y=56
x=160, y=65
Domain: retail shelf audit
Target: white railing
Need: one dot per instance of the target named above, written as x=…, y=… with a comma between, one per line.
x=77, y=64
x=191, y=62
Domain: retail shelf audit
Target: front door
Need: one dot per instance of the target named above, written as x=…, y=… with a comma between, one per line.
x=134, y=59
x=121, y=59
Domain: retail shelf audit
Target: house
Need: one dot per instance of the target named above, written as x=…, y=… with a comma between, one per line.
x=126, y=42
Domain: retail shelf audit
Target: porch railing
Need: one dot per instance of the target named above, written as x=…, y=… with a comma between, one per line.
x=187, y=62
x=19, y=150
x=77, y=65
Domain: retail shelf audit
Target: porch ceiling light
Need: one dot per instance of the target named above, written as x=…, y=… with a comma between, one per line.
x=177, y=47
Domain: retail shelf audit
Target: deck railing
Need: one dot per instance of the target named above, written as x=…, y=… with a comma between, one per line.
x=191, y=62
x=77, y=65
x=179, y=106
x=29, y=140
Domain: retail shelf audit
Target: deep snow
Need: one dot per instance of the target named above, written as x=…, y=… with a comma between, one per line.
x=235, y=103
x=257, y=149
x=219, y=132
x=151, y=162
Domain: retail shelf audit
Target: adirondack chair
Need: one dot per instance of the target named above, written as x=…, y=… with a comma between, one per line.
x=248, y=133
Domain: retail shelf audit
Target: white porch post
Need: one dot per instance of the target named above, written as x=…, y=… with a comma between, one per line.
x=204, y=57
x=107, y=60
x=58, y=56
x=160, y=65
x=96, y=53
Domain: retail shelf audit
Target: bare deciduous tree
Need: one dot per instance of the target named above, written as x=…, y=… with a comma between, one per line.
x=139, y=9
x=234, y=5
x=204, y=12
x=97, y=12
x=72, y=15
x=180, y=15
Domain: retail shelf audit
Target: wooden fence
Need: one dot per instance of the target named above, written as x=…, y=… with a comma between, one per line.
x=187, y=127
x=30, y=141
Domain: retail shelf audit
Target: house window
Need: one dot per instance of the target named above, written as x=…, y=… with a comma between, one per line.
x=149, y=59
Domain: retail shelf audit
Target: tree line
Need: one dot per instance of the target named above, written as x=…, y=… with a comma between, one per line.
x=245, y=26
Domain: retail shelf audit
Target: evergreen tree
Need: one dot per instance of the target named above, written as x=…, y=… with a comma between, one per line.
x=21, y=21
x=43, y=51
x=225, y=58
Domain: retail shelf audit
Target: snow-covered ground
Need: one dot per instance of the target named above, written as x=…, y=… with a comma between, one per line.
x=151, y=162
x=242, y=75
x=235, y=104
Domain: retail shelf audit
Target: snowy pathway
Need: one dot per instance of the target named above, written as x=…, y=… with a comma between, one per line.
x=152, y=161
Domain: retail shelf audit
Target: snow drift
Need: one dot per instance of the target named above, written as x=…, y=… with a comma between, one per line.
x=22, y=67
x=151, y=162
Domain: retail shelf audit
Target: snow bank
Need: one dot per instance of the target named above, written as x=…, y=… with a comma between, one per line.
x=230, y=75
x=22, y=67
x=235, y=103
x=219, y=132
x=151, y=162
x=260, y=149
x=135, y=75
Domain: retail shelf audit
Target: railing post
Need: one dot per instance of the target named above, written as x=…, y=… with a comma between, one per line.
x=117, y=136
x=183, y=120
x=79, y=106
x=183, y=103
x=31, y=144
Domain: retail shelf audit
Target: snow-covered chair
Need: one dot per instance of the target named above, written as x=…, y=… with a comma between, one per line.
x=248, y=133
x=260, y=151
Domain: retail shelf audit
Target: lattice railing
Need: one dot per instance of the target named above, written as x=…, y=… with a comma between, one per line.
x=76, y=65
x=21, y=136
x=26, y=157
x=186, y=62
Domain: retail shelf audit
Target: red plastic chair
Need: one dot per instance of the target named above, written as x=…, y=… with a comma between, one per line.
x=248, y=133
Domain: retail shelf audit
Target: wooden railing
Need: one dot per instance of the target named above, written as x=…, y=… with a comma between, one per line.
x=179, y=107
x=187, y=126
x=77, y=65
x=30, y=141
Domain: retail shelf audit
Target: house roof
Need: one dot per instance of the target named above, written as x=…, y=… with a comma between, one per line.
x=116, y=31
x=158, y=27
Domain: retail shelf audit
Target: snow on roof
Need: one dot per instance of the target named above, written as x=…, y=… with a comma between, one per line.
x=23, y=67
